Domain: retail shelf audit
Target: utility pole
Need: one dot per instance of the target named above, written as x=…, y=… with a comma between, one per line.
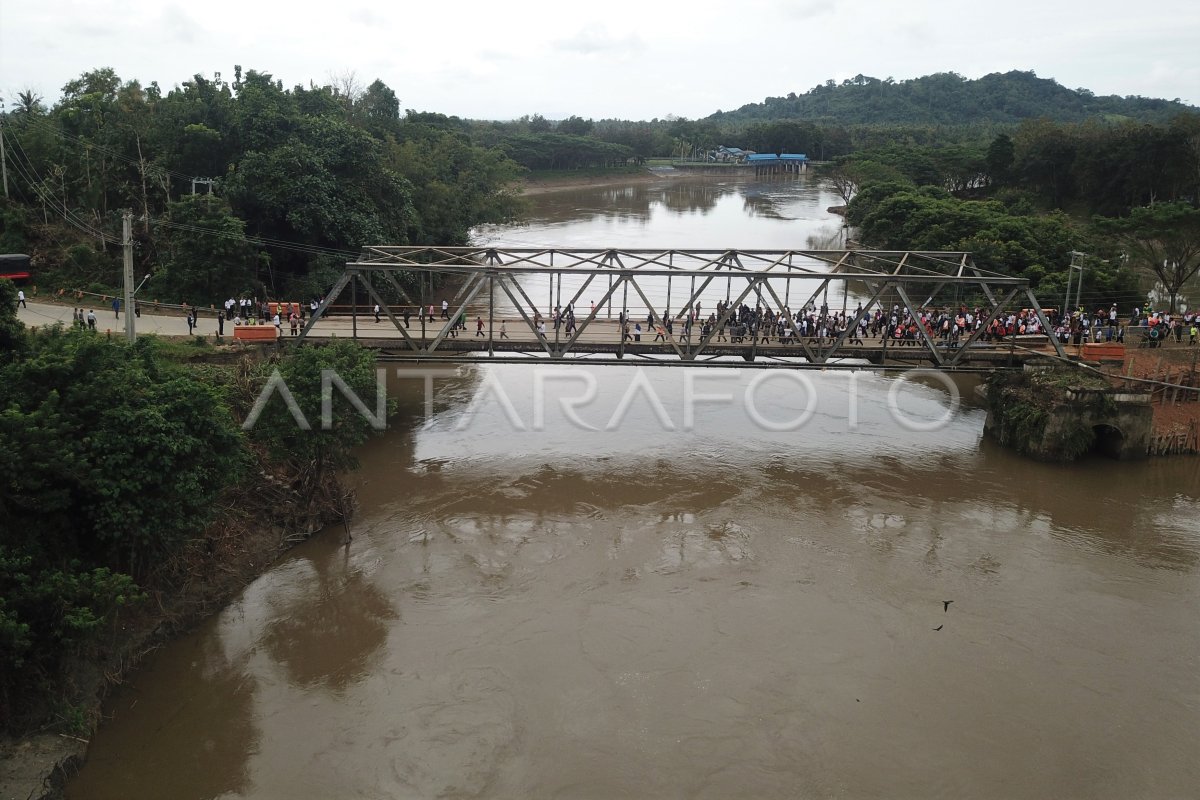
x=127, y=243
x=1079, y=283
x=1076, y=264
x=206, y=181
x=3, y=158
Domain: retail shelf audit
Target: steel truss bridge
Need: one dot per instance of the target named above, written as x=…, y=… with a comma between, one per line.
x=496, y=287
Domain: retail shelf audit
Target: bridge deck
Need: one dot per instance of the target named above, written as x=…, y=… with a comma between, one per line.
x=601, y=343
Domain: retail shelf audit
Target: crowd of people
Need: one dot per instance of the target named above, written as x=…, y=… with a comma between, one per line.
x=1161, y=326
x=252, y=311
x=759, y=324
x=817, y=325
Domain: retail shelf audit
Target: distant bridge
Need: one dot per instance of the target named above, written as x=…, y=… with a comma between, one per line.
x=493, y=290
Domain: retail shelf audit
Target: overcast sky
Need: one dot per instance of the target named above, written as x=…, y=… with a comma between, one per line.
x=629, y=59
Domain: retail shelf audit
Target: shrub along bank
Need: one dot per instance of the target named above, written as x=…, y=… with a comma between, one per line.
x=132, y=500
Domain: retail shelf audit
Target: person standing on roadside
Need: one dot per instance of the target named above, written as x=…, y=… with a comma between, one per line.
x=117, y=307
x=21, y=299
x=91, y=318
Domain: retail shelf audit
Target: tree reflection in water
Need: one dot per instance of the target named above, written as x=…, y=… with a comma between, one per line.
x=326, y=630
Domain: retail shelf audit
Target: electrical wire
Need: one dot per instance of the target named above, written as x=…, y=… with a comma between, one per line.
x=47, y=126
x=29, y=173
x=315, y=250
x=31, y=176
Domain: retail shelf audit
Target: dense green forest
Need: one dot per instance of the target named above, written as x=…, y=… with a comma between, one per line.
x=300, y=180
x=1126, y=195
x=948, y=98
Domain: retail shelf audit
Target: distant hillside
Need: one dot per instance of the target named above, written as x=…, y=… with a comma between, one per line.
x=948, y=98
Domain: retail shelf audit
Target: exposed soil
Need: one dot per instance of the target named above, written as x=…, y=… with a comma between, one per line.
x=1175, y=411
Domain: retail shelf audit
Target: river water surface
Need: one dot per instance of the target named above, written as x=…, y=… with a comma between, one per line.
x=665, y=592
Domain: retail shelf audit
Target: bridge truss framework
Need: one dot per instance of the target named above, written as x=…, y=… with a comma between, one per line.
x=910, y=280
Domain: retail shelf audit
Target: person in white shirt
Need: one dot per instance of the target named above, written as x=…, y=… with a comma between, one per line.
x=21, y=299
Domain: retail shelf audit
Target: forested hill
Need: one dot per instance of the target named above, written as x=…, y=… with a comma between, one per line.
x=950, y=99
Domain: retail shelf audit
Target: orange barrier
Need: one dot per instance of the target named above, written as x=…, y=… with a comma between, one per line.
x=1104, y=351
x=255, y=333
x=283, y=309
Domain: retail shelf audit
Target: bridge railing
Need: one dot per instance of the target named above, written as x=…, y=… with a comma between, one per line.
x=669, y=285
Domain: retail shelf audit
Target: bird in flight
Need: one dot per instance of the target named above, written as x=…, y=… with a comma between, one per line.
x=946, y=605
x=939, y=627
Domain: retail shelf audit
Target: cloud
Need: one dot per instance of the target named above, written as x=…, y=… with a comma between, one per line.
x=368, y=18
x=91, y=30
x=180, y=26
x=801, y=10
x=596, y=40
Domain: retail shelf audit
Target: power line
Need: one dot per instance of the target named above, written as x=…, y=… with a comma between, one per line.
x=46, y=125
x=258, y=240
x=31, y=176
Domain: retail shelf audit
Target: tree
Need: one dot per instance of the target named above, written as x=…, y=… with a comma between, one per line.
x=107, y=453
x=575, y=126
x=311, y=452
x=29, y=103
x=12, y=332
x=848, y=176
x=207, y=257
x=1000, y=156
x=379, y=107
x=1164, y=238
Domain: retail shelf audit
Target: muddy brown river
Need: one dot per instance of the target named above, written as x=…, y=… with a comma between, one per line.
x=613, y=582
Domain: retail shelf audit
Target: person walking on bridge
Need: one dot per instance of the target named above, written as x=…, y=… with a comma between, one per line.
x=479, y=326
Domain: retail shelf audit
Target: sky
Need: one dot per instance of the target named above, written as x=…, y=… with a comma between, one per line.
x=626, y=59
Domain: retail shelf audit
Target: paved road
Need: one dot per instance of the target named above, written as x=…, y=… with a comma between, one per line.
x=39, y=314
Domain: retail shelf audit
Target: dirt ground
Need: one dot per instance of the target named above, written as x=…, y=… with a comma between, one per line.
x=25, y=764
x=1174, y=412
